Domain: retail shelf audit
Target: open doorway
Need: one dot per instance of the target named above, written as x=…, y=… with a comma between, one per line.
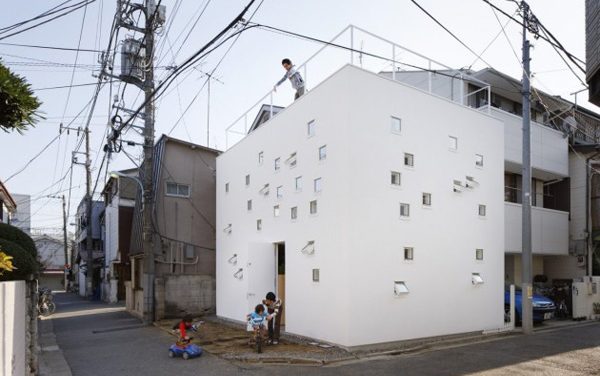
x=280, y=260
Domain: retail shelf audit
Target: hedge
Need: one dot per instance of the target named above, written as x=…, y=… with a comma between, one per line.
x=16, y=235
x=24, y=263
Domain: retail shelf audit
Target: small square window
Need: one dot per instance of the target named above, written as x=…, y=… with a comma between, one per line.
x=409, y=253
x=280, y=191
x=261, y=157
x=396, y=124
x=323, y=152
x=313, y=207
x=453, y=143
x=315, y=275
x=277, y=164
x=294, y=212
x=404, y=210
x=276, y=211
x=396, y=178
x=478, y=160
x=298, y=183
x=311, y=128
x=259, y=224
x=409, y=159
x=400, y=288
x=249, y=205
x=427, y=199
x=317, y=185
x=479, y=254
x=264, y=190
x=482, y=210
x=247, y=180
x=226, y=187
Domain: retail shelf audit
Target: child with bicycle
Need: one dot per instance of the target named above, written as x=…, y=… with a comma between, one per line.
x=257, y=321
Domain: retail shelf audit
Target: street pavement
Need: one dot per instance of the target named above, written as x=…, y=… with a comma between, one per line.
x=100, y=339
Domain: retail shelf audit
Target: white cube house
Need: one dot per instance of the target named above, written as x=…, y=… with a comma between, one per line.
x=383, y=240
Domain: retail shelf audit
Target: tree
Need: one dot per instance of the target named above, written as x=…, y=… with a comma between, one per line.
x=18, y=106
x=16, y=235
x=25, y=264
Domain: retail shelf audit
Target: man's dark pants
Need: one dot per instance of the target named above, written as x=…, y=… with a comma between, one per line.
x=275, y=326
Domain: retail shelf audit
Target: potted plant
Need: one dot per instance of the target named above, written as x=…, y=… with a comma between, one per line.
x=596, y=308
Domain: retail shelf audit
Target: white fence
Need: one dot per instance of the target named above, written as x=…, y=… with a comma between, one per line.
x=13, y=346
x=364, y=49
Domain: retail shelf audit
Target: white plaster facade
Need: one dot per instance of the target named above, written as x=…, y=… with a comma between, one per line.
x=359, y=236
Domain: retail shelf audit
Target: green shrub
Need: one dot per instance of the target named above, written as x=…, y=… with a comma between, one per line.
x=16, y=235
x=24, y=263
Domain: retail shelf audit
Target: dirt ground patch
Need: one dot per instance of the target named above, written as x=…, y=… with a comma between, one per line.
x=231, y=342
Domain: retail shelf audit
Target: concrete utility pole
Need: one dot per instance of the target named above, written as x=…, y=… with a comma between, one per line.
x=526, y=258
x=148, y=233
x=89, y=242
x=65, y=241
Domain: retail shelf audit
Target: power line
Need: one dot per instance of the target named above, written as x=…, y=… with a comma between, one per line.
x=46, y=13
x=77, y=7
x=50, y=47
x=448, y=31
x=570, y=55
x=67, y=86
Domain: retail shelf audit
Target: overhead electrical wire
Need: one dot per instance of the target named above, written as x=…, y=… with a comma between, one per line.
x=76, y=7
x=49, y=47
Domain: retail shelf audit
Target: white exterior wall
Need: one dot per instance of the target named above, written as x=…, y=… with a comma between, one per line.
x=359, y=236
x=549, y=230
x=549, y=149
x=12, y=328
x=577, y=226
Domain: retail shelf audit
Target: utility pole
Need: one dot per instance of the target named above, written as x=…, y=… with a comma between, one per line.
x=89, y=242
x=148, y=233
x=208, y=112
x=529, y=22
x=65, y=240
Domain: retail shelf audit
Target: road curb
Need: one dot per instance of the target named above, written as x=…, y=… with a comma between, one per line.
x=52, y=360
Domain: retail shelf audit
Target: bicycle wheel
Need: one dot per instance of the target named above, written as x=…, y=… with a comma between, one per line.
x=259, y=343
x=51, y=307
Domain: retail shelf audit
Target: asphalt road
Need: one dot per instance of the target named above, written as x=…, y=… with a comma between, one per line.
x=99, y=339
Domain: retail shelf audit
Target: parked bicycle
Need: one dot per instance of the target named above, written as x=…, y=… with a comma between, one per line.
x=46, y=305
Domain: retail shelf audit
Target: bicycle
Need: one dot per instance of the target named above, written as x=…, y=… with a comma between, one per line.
x=258, y=337
x=46, y=305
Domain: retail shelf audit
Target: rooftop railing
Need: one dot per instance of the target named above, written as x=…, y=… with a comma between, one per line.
x=356, y=46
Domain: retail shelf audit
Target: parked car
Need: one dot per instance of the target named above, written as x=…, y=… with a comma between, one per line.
x=543, y=308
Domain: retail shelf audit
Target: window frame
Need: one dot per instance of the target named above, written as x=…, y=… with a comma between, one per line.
x=249, y=205
x=454, y=145
x=407, y=206
x=247, y=180
x=298, y=187
x=313, y=205
x=311, y=128
x=261, y=157
x=409, y=157
x=425, y=196
x=479, y=207
x=276, y=210
x=320, y=186
x=479, y=254
x=259, y=224
x=392, y=123
x=394, y=174
x=277, y=163
x=294, y=213
x=409, y=253
x=479, y=163
x=322, y=156
x=279, y=192
x=177, y=188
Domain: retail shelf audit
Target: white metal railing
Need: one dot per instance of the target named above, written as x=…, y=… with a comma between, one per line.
x=380, y=50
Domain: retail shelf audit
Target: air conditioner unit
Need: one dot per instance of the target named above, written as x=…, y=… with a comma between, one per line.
x=458, y=186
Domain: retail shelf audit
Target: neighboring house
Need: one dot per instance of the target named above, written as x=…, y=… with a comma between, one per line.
x=119, y=200
x=184, y=232
x=81, y=244
x=592, y=48
x=22, y=216
x=366, y=197
x=51, y=254
x=7, y=205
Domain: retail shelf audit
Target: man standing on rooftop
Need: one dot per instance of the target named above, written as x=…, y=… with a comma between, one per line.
x=294, y=76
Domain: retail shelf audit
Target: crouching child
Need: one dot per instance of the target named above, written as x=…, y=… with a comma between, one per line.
x=275, y=310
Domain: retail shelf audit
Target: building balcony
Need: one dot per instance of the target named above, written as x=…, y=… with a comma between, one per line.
x=549, y=148
x=549, y=230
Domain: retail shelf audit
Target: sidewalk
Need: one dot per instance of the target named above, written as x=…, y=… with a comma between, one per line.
x=51, y=359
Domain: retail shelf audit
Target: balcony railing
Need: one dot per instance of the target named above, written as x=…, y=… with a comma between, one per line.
x=347, y=48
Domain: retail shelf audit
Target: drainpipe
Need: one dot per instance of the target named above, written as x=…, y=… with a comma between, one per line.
x=588, y=212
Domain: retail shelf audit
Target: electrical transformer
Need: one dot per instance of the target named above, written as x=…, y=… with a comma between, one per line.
x=132, y=61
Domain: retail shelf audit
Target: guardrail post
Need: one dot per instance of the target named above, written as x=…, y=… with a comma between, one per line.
x=489, y=99
x=246, y=122
x=429, y=77
x=352, y=44
x=462, y=90
x=305, y=76
x=393, y=62
x=271, y=110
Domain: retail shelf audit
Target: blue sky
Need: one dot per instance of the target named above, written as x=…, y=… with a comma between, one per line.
x=249, y=71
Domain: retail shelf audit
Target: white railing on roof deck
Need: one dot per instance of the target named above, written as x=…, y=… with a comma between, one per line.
x=380, y=50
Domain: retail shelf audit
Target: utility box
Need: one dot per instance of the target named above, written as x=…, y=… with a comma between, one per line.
x=133, y=55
